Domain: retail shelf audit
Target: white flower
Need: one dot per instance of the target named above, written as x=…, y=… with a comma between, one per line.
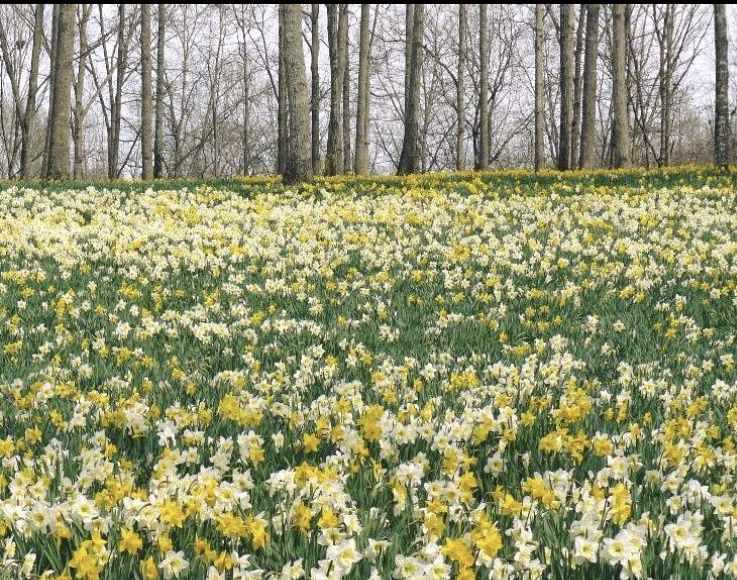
x=344, y=555
x=173, y=564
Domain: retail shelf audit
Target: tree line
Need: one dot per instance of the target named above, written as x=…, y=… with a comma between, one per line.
x=93, y=90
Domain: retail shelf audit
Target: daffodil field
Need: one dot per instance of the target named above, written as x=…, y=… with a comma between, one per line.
x=443, y=376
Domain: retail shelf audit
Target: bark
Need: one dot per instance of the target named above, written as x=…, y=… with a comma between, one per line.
x=159, y=121
x=147, y=172
x=114, y=140
x=315, y=78
x=665, y=82
x=12, y=73
x=566, y=85
x=588, y=123
x=246, y=113
x=620, y=116
x=539, y=88
x=483, y=161
x=408, y=160
x=53, y=71
x=721, y=117
x=282, y=112
x=334, y=155
x=364, y=50
x=460, y=94
x=58, y=167
x=299, y=163
x=346, y=91
x=79, y=108
x=29, y=117
x=577, y=88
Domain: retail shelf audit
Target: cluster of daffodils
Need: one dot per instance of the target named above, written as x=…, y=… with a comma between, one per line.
x=429, y=378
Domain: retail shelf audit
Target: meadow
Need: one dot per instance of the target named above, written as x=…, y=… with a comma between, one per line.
x=454, y=375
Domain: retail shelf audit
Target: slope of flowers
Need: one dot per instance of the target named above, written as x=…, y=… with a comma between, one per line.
x=389, y=381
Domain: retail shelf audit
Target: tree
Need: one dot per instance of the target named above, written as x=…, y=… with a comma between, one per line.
x=160, y=73
x=588, y=123
x=620, y=118
x=460, y=94
x=30, y=115
x=484, y=89
x=408, y=160
x=58, y=165
x=362, y=105
x=282, y=104
x=298, y=163
x=721, y=117
x=24, y=113
x=146, y=98
x=577, y=88
x=79, y=107
x=336, y=32
x=566, y=84
x=346, y=94
x=315, y=78
x=539, y=88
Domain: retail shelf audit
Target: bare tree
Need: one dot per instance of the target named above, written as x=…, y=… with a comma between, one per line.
x=282, y=116
x=620, y=117
x=362, y=109
x=577, y=86
x=566, y=84
x=346, y=93
x=160, y=75
x=336, y=31
x=483, y=162
x=79, y=105
x=30, y=113
x=299, y=163
x=58, y=167
x=539, y=88
x=146, y=97
x=588, y=122
x=721, y=117
x=408, y=160
x=460, y=87
x=315, y=78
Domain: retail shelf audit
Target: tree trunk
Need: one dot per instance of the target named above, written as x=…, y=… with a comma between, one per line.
x=315, y=78
x=246, y=113
x=147, y=172
x=620, y=115
x=460, y=95
x=665, y=83
x=59, y=126
x=114, y=143
x=566, y=85
x=79, y=109
x=410, y=144
x=282, y=112
x=539, y=88
x=361, y=161
x=483, y=161
x=29, y=117
x=346, y=91
x=159, y=122
x=299, y=163
x=721, y=117
x=588, y=124
x=53, y=72
x=334, y=155
x=577, y=82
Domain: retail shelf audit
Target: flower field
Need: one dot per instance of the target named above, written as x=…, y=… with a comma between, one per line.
x=437, y=377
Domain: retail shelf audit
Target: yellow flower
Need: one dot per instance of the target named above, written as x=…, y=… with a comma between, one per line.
x=130, y=542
